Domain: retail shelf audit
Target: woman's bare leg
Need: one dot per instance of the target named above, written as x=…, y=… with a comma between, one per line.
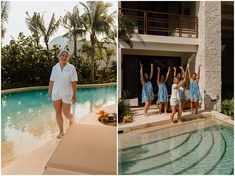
x=180, y=113
x=191, y=104
x=59, y=117
x=147, y=106
x=160, y=107
x=172, y=113
x=166, y=107
x=67, y=112
x=196, y=105
x=183, y=105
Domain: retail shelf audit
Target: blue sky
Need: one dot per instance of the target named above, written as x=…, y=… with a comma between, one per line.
x=16, y=21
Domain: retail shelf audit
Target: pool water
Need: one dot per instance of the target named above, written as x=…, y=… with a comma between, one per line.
x=28, y=119
x=202, y=148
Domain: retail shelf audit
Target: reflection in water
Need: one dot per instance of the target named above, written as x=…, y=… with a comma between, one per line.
x=28, y=119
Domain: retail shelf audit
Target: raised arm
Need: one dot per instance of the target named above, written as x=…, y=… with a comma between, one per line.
x=141, y=74
x=189, y=73
x=151, y=72
x=180, y=83
x=198, y=73
x=174, y=71
x=158, y=76
x=182, y=72
x=167, y=75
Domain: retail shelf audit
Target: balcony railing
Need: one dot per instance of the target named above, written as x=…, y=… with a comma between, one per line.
x=159, y=23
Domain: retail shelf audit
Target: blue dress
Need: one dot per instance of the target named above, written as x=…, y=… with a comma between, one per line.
x=182, y=93
x=194, y=91
x=162, y=93
x=147, y=92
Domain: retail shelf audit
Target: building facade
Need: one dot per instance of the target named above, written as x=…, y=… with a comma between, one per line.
x=169, y=34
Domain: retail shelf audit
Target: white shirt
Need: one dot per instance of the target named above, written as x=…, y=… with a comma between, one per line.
x=62, y=79
x=175, y=92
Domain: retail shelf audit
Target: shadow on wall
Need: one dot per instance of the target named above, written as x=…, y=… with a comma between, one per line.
x=211, y=103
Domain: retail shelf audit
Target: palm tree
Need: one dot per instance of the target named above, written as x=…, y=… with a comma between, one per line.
x=47, y=32
x=74, y=24
x=109, y=52
x=97, y=22
x=125, y=30
x=5, y=5
x=33, y=24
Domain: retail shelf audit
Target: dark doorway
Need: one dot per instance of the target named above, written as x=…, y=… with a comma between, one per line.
x=132, y=87
x=227, y=53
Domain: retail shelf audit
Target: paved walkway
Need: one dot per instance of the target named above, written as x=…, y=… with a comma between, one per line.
x=141, y=121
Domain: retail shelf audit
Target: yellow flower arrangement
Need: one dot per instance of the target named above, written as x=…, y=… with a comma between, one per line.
x=127, y=119
x=103, y=115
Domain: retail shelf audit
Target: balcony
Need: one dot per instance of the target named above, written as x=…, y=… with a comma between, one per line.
x=163, y=24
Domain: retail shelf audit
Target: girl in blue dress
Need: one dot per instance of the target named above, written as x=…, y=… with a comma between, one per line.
x=147, y=90
x=162, y=90
x=181, y=77
x=195, y=95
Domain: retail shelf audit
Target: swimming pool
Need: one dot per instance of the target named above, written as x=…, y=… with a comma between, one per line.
x=202, y=147
x=28, y=119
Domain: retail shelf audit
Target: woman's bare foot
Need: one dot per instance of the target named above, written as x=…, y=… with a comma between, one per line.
x=60, y=135
x=146, y=114
x=71, y=121
x=180, y=121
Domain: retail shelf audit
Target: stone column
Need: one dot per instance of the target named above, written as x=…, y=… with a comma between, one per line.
x=209, y=53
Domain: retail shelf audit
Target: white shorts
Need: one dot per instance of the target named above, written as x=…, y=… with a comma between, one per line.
x=175, y=102
x=65, y=98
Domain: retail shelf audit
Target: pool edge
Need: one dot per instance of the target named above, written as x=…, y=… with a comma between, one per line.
x=45, y=87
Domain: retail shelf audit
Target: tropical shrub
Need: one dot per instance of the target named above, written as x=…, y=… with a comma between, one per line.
x=123, y=110
x=24, y=63
x=228, y=107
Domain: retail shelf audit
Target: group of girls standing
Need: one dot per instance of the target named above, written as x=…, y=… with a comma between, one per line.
x=178, y=88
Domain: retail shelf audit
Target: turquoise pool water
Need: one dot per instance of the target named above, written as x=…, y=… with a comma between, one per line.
x=28, y=118
x=202, y=151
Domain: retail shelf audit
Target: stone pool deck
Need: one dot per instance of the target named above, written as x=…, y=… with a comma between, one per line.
x=33, y=162
x=156, y=119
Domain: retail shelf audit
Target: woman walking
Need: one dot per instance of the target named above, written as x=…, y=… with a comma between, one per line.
x=63, y=87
